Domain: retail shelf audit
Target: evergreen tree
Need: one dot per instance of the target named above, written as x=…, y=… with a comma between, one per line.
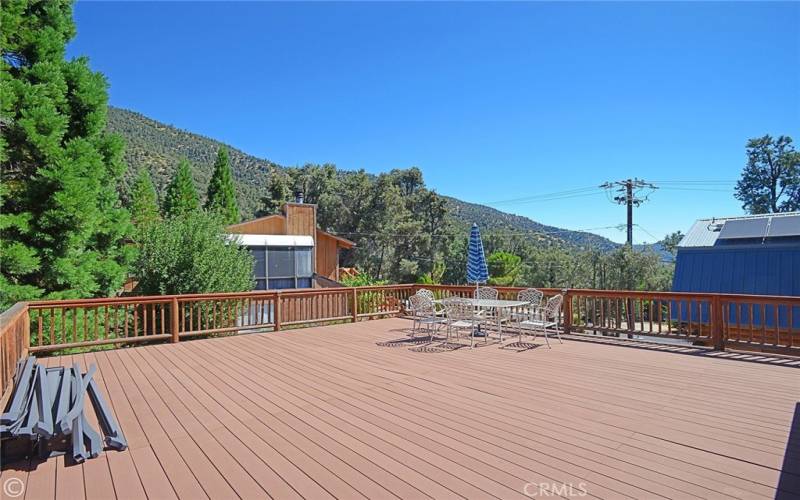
x=504, y=268
x=222, y=191
x=62, y=225
x=278, y=193
x=770, y=182
x=144, y=201
x=181, y=196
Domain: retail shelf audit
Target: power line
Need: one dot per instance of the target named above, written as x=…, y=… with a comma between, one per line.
x=695, y=181
x=541, y=200
x=647, y=232
x=710, y=190
x=628, y=192
x=489, y=231
x=557, y=194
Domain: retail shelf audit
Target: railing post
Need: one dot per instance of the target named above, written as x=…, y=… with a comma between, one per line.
x=355, y=305
x=717, y=330
x=567, y=323
x=175, y=320
x=278, y=309
x=26, y=332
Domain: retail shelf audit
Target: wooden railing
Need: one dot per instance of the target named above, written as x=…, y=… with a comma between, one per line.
x=750, y=322
x=14, y=341
x=60, y=324
x=760, y=322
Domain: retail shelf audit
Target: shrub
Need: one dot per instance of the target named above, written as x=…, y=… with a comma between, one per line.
x=191, y=254
x=361, y=279
x=367, y=301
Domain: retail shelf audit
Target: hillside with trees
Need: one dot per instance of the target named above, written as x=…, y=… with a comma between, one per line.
x=160, y=147
x=403, y=231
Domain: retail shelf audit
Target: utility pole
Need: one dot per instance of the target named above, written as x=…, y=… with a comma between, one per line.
x=629, y=202
x=626, y=192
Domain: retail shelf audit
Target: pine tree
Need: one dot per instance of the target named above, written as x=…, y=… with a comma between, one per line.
x=770, y=182
x=222, y=191
x=278, y=193
x=144, y=201
x=181, y=196
x=62, y=225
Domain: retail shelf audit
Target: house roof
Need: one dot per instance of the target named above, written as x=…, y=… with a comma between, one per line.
x=344, y=242
x=706, y=232
x=257, y=219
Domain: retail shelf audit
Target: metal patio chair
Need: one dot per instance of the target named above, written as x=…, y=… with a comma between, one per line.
x=424, y=314
x=534, y=299
x=542, y=319
x=486, y=293
x=461, y=315
x=429, y=295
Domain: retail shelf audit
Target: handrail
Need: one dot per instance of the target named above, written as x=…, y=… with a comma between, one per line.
x=765, y=323
x=753, y=322
x=14, y=342
x=220, y=295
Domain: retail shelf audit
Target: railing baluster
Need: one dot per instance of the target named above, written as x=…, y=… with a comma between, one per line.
x=52, y=326
x=775, y=308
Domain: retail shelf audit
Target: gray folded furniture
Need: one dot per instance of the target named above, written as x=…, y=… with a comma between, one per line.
x=46, y=415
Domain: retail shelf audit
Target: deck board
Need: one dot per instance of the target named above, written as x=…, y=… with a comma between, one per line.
x=357, y=411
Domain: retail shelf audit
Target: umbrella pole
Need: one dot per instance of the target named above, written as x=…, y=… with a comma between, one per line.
x=477, y=286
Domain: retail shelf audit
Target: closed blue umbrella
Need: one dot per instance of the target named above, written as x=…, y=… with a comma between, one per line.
x=476, y=260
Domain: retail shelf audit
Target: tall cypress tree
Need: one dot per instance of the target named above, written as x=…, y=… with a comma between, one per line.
x=144, y=201
x=181, y=196
x=62, y=226
x=221, y=195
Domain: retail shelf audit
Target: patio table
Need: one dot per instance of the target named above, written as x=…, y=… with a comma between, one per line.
x=497, y=304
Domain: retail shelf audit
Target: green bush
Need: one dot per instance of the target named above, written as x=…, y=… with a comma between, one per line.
x=367, y=301
x=191, y=254
x=362, y=279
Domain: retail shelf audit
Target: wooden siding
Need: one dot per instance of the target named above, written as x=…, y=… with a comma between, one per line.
x=273, y=224
x=301, y=219
x=359, y=410
x=327, y=255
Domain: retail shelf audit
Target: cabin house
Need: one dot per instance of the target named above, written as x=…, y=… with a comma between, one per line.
x=290, y=251
x=757, y=254
x=754, y=255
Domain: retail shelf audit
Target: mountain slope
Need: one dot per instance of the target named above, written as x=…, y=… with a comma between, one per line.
x=159, y=147
x=491, y=219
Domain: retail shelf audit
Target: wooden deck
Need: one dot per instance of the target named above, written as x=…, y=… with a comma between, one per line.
x=343, y=411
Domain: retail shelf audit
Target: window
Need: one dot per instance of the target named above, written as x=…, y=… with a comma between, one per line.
x=281, y=262
x=303, y=259
x=278, y=268
x=260, y=266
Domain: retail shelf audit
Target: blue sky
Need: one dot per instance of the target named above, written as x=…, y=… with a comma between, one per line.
x=492, y=101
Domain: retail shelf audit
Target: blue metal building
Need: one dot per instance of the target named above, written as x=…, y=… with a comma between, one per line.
x=757, y=254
